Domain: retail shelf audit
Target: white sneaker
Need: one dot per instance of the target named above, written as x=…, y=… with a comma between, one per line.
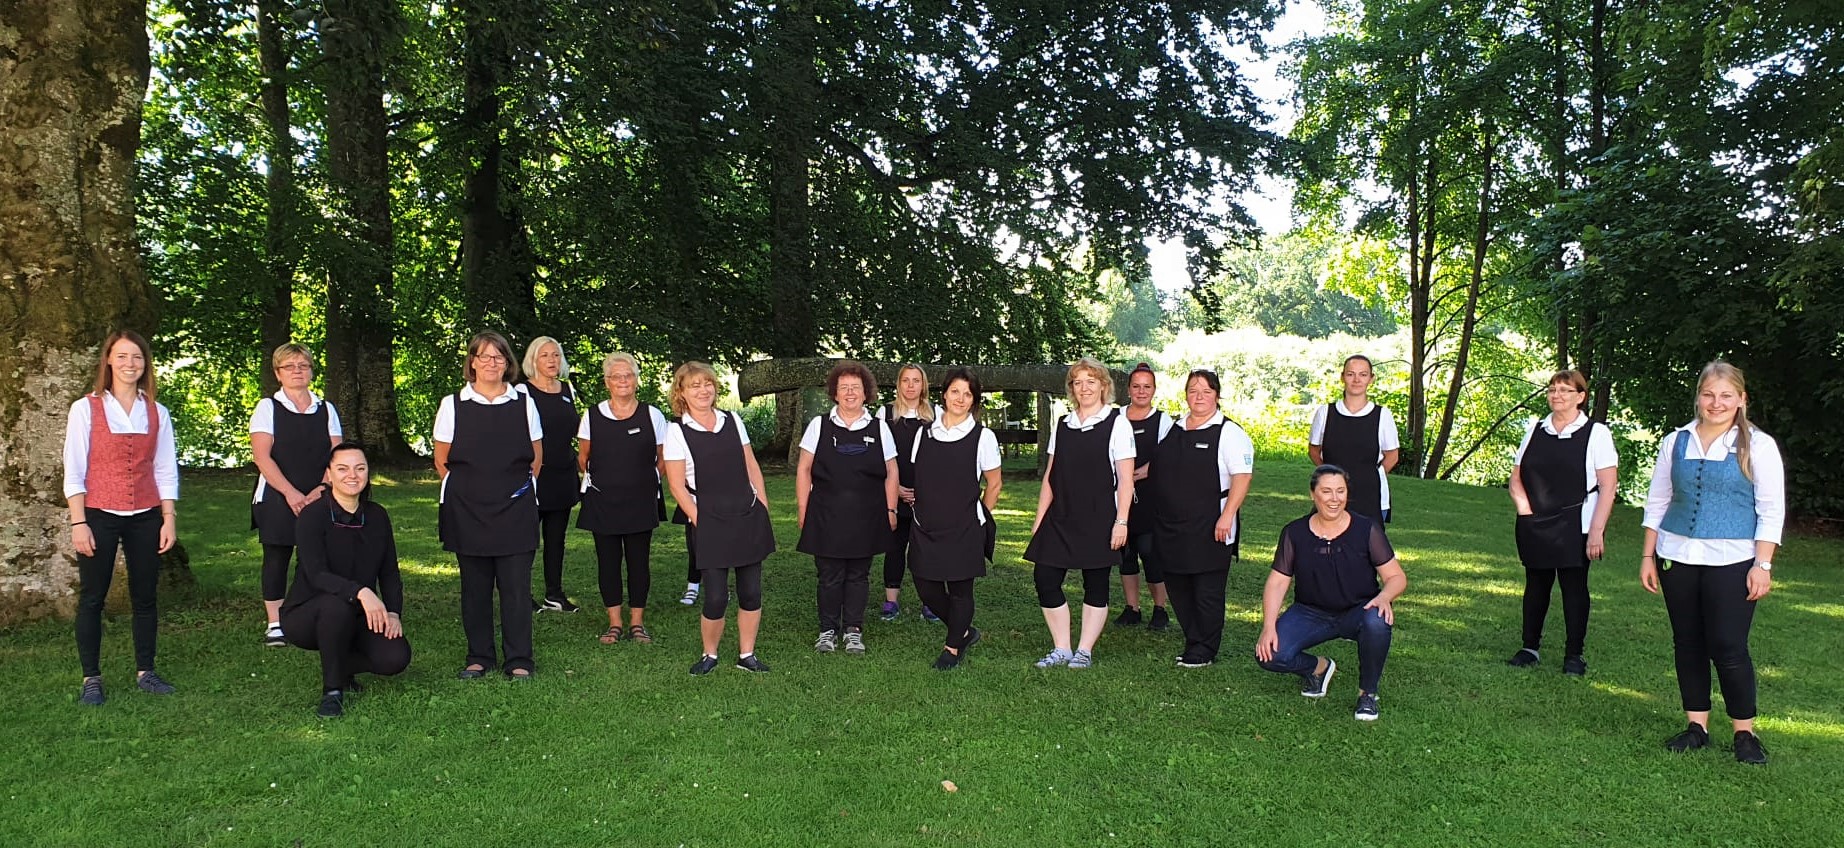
x=273, y=635
x=827, y=643
x=854, y=642
x=690, y=597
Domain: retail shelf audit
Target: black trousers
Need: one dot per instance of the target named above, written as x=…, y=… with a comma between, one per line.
x=1537, y=583
x=275, y=571
x=953, y=601
x=1710, y=619
x=844, y=587
x=717, y=590
x=1197, y=601
x=692, y=574
x=1139, y=551
x=896, y=561
x=1049, y=580
x=553, y=527
x=480, y=576
x=138, y=538
x=609, y=550
x=336, y=628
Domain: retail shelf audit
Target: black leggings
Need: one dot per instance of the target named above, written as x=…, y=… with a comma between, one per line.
x=1049, y=580
x=717, y=590
x=553, y=527
x=692, y=574
x=1138, y=550
x=638, y=547
x=336, y=628
x=896, y=561
x=1710, y=617
x=275, y=571
x=953, y=601
x=1537, y=583
x=138, y=537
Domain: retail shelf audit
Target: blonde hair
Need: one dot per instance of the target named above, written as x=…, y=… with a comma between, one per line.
x=1720, y=370
x=682, y=378
x=1092, y=366
x=530, y=362
x=619, y=356
x=283, y=353
x=923, y=409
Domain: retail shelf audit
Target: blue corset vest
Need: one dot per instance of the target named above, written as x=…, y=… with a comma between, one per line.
x=1710, y=499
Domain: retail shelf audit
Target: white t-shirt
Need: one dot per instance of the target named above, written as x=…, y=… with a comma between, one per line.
x=262, y=420
x=1387, y=439
x=1769, y=473
x=1235, y=455
x=607, y=411
x=119, y=420
x=1600, y=455
x=1120, y=437
x=1165, y=425
x=445, y=414
x=810, y=439
x=676, y=450
x=985, y=457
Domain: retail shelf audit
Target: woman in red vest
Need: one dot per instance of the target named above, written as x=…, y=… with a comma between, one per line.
x=121, y=479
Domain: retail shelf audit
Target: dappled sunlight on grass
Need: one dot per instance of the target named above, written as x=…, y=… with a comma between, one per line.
x=1616, y=690
x=1828, y=610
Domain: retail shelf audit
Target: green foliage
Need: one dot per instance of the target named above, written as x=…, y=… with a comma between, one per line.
x=1305, y=283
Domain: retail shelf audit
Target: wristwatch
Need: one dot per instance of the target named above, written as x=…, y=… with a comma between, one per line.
x=1765, y=565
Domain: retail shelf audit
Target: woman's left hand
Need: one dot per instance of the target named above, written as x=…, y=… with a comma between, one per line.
x=1383, y=609
x=1597, y=544
x=1224, y=525
x=393, y=626
x=169, y=532
x=1759, y=584
x=1118, y=538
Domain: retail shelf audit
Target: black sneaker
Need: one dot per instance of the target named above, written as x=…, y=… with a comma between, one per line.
x=1160, y=621
x=948, y=661
x=153, y=684
x=1316, y=685
x=1748, y=749
x=558, y=604
x=1693, y=737
x=1524, y=658
x=331, y=705
x=752, y=663
x=1189, y=661
x=272, y=635
x=470, y=673
x=1574, y=666
x=973, y=638
x=1366, y=707
x=1129, y=617
x=92, y=693
x=704, y=665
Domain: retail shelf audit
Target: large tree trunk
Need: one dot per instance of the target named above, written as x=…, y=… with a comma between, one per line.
x=72, y=76
x=791, y=83
x=1469, y=320
x=1597, y=145
x=497, y=267
x=1423, y=209
x=281, y=240
x=360, y=327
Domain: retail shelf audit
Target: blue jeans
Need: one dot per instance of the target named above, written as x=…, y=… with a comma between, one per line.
x=1302, y=627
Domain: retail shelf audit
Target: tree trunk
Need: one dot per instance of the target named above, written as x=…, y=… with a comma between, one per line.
x=74, y=73
x=361, y=329
x=281, y=241
x=1422, y=218
x=1469, y=320
x=1597, y=145
x=792, y=88
x=497, y=266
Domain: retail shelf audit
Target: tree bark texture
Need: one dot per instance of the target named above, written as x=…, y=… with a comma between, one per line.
x=360, y=372
x=497, y=266
x=72, y=77
x=791, y=85
x=281, y=240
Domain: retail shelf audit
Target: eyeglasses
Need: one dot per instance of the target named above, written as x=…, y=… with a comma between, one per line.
x=489, y=358
x=295, y=366
x=619, y=378
x=1562, y=390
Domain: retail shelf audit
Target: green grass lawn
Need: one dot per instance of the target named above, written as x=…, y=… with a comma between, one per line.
x=619, y=746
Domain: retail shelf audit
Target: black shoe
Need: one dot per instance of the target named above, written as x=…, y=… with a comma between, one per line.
x=1191, y=661
x=1693, y=737
x=752, y=663
x=1748, y=749
x=558, y=603
x=352, y=687
x=1129, y=617
x=332, y=705
x=973, y=638
x=92, y=695
x=469, y=673
x=704, y=665
x=1160, y=621
x=1574, y=666
x=153, y=684
x=1315, y=685
x=948, y=661
x=1524, y=658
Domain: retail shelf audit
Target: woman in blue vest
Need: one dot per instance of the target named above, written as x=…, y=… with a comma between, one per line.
x=1562, y=484
x=1712, y=522
x=845, y=503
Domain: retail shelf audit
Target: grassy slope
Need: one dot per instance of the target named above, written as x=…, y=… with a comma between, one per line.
x=619, y=745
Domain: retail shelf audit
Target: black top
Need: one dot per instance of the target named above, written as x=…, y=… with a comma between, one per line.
x=1336, y=574
x=1076, y=529
x=340, y=553
x=557, y=482
x=1553, y=468
x=1187, y=499
x=301, y=449
x=903, y=430
x=733, y=527
x=1145, y=443
x=948, y=540
x=1351, y=443
x=488, y=506
x=847, y=514
x=624, y=485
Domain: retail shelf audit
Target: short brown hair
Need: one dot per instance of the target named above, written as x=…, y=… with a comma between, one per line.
x=850, y=368
x=478, y=344
x=1574, y=380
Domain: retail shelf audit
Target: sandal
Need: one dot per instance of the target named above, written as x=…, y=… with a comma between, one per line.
x=611, y=635
x=637, y=633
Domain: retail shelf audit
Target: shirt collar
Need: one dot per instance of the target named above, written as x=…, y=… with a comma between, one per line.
x=864, y=419
x=313, y=402
x=1549, y=425
x=512, y=393
x=687, y=421
x=1342, y=410
x=963, y=427
x=1215, y=419
x=1077, y=422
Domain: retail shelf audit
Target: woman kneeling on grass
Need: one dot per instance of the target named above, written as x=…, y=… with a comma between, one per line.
x=1713, y=520
x=347, y=598
x=1337, y=557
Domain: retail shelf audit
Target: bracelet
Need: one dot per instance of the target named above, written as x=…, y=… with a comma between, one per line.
x=891, y=510
x=78, y=523
x=1120, y=522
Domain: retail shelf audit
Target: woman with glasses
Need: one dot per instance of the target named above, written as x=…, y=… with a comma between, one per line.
x=545, y=369
x=618, y=449
x=1345, y=579
x=347, y=598
x=290, y=436
x=1204, y=468
x=489, y=449
x=1564, y=464
x=845, y=503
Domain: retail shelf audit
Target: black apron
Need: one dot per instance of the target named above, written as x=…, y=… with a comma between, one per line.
x=489, y=508
x=1145, y=441
x=733, y=528
x=904, y=431
x=557, y=482
x=1352, y=444
x=1187, y=496
x=948, y=541
x=301, y=449
x=624, y=485
x=847, y=516
x=1076, y=531
x=1552, y=469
